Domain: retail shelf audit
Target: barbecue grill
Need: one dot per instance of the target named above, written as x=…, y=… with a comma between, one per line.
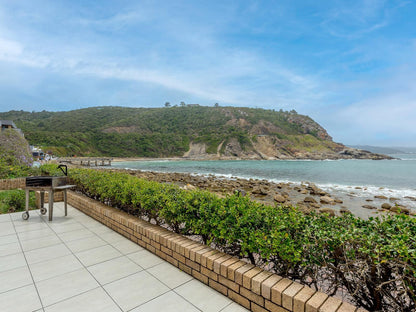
x=50, y=185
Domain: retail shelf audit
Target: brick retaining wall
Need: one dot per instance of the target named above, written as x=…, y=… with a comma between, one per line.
x=246, y=284
x=12, y=184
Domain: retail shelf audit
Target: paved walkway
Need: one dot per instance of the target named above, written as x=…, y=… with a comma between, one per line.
x=75, y=263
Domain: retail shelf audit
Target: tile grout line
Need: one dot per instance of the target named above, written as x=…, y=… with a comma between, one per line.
x=28, y=266
x=86, y=268
x=171, y=289
x=144, y=249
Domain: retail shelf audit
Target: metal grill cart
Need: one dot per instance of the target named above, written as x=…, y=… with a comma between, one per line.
x=50, y=185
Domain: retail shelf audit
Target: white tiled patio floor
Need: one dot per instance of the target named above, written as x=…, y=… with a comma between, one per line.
x=74, y=263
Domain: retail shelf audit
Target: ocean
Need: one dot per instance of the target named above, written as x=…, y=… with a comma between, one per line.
x=365, y=178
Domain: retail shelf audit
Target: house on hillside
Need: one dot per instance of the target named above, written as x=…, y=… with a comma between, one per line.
x=8, y=124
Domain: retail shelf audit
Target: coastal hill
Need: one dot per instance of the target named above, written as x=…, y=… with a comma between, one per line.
x=190, y=131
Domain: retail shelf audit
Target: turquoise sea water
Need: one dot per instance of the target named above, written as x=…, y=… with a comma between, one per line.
x=392, y=178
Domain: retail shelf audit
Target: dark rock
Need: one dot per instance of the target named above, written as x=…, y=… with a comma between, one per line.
x=380, y=197
x=329, y=211
x=259, y=190
x=279, y=198
x=368, y=207
x=344, y=210
x=386, y=206
x=309, y=199
x=326, y=200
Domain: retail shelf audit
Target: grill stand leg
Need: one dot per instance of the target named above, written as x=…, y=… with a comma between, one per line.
x=65, y=205
x=27, y=202
x=51, y=194
x=42, y=199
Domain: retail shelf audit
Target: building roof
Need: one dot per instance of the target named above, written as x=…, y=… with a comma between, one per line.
x=7, y=123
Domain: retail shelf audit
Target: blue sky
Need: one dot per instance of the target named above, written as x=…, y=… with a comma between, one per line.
x=350, y=65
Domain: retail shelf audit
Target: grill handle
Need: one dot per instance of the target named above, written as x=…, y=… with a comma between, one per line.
x=62, y=169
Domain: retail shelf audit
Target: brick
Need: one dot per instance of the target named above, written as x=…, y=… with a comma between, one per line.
x=217, y=263
x=185, y=246
x=164, y=239
x=172, y=261
x=299, y=302
x=195, y=266
x=238, y=275
x=205, y=256
x=249, y=275
x=200, y=252
x=176, y=244
x=170, y=243
x=150, y=248
x=230, y=284
x=330, y=305
x=267, y=285
x=252, y=296
x=156, y=245
x=166, y=250
x=218, y=287
x=257, y=308
x=193, y=251
x=204, y=279
x=278, y=289
x=346, y=307
x=161, y=254
x=289, y=294
x=234, y=267
x=211, y=274
x=210, y=260
x=315, y=302
x=239, y=299
x=187, y=249
x=226, y=264
x=185, y=268
x=179, y=248
x=258, y=280
x=178, y=257
x=270, y=306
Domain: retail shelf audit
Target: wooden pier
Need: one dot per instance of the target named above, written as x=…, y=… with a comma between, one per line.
x=87, y=161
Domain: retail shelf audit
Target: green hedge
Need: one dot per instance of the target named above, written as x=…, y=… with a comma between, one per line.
x=372, y=261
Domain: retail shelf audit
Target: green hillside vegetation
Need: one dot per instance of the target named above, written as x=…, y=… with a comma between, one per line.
x=167, y=131
x=15, y=157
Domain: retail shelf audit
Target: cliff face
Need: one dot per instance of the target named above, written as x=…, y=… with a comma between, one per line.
x=194, y=132
x=14, y=149
x=269, y=141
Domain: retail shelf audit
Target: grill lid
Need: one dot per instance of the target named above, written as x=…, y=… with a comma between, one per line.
x=46, y=181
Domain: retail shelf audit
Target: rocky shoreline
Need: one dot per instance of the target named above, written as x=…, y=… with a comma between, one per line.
x=197, y=152
x=306, y=195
